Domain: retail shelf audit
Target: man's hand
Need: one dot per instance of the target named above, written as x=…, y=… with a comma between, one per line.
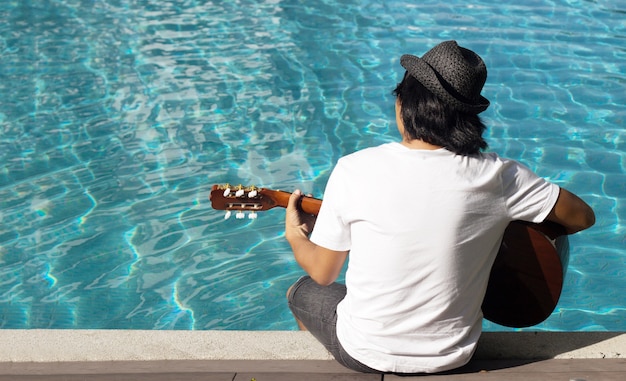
x=297, y=223
x=323, y=265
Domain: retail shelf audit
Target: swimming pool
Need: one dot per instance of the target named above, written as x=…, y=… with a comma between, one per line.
x=116, y=118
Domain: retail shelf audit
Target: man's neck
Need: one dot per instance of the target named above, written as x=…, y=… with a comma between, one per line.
x=419, y=144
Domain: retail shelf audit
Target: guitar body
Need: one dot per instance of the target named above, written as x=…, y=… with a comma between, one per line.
x=526, y=278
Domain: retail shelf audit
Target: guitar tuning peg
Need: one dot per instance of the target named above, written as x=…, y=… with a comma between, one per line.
x=227, y=215
x=226, y=191
x=253, y=193
x=240, y=215
x=252, y=216
x=240, y=191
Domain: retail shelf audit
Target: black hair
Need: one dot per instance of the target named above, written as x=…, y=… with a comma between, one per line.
x=428, y=118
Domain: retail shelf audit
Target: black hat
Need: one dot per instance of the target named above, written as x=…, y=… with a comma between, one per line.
x=456, y=75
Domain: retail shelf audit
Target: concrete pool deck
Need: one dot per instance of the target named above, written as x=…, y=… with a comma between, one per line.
x=285, y=355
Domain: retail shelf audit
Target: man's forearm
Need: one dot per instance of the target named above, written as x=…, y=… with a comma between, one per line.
x=322, y=265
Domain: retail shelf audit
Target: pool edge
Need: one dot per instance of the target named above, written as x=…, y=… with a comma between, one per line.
x=51, y=346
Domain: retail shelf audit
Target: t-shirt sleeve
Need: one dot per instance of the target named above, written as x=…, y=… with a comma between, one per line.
x=331, y=231
x=528, y=197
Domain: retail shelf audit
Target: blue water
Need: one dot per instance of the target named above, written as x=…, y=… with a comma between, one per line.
x=117, y=116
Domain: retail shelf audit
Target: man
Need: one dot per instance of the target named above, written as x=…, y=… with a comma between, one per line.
x=422, y=220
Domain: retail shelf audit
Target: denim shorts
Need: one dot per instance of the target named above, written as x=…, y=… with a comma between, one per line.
x=316, y=307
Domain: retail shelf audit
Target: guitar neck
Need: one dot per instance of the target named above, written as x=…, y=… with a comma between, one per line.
x=308, y=204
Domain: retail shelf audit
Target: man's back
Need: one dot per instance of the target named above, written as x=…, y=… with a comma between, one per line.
x=423, y=228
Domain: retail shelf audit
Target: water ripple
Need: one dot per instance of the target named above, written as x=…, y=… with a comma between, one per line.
x=117, y=116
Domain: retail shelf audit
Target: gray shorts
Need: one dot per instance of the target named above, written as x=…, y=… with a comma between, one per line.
x=316, y=307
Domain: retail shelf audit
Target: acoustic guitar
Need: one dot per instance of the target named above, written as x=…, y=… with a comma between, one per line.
x=526, y=278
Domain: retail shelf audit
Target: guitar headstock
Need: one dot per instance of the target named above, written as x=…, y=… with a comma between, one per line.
x=241, y=199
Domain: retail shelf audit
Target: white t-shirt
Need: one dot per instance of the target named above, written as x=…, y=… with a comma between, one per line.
x=423, y=229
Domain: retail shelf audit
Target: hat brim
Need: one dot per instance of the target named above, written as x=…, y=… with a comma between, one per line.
x=428, y=77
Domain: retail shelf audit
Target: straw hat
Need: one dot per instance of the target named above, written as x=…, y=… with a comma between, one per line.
x=456, y=75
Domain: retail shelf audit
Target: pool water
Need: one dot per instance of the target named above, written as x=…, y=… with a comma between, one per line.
x=117, y=116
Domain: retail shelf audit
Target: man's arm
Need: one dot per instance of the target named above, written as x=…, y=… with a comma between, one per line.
x=571, y=212
x=323, y=265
